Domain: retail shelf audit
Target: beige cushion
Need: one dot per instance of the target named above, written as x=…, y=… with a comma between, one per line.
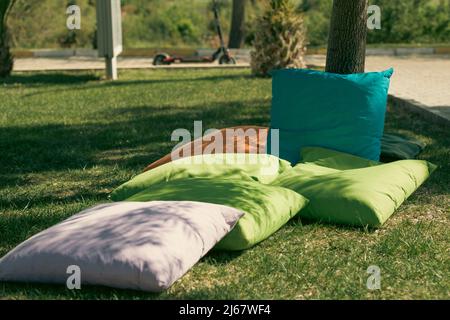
x=133, y=245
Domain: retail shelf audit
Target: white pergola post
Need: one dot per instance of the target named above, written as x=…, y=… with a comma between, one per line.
x=109, y=34
x=111, y=68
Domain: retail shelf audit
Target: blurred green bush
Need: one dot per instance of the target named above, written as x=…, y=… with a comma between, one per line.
x=189, y=23
x=402, y=21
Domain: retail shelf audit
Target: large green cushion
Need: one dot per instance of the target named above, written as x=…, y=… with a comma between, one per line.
x=261, y=167
x=348, y=190
x=335, y=159
x=267, y=208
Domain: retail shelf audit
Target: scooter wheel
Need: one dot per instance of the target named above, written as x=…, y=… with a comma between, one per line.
x=227, y=60
x=161, y=59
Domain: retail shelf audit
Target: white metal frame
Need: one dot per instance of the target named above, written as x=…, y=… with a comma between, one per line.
x=109, y=34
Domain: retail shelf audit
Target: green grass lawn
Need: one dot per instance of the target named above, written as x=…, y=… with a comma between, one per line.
x=67, y=140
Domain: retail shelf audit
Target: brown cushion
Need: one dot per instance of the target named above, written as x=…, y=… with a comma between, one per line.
x=251, y=146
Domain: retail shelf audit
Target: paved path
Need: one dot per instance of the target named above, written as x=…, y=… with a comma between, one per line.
x=424, y=81
x=85, y=63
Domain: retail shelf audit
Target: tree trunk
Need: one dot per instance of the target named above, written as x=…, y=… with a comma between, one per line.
x=237, y=24
x=6, y=59
x=347, y=37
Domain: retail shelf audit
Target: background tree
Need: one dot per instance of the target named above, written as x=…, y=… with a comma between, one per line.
x=317, y=15
x=279, y=39
x=237, y=32
x=348, y=36
x=6, y=58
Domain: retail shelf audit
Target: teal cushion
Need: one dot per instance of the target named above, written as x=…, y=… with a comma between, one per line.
x=340, y=112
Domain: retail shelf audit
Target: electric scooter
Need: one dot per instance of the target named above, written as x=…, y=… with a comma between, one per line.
x=222, y=54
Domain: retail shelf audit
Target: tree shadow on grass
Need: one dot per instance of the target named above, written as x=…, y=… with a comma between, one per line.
x=40, y=79
x=74, y=78
x=131, y=143
x=215, y=78
x=59, y=147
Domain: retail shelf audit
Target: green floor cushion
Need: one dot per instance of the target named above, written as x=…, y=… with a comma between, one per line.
x=334, y=159
x=267, y=208
x=334, y=111
x=261, y=167
x=358, y=197
x=400, y=147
